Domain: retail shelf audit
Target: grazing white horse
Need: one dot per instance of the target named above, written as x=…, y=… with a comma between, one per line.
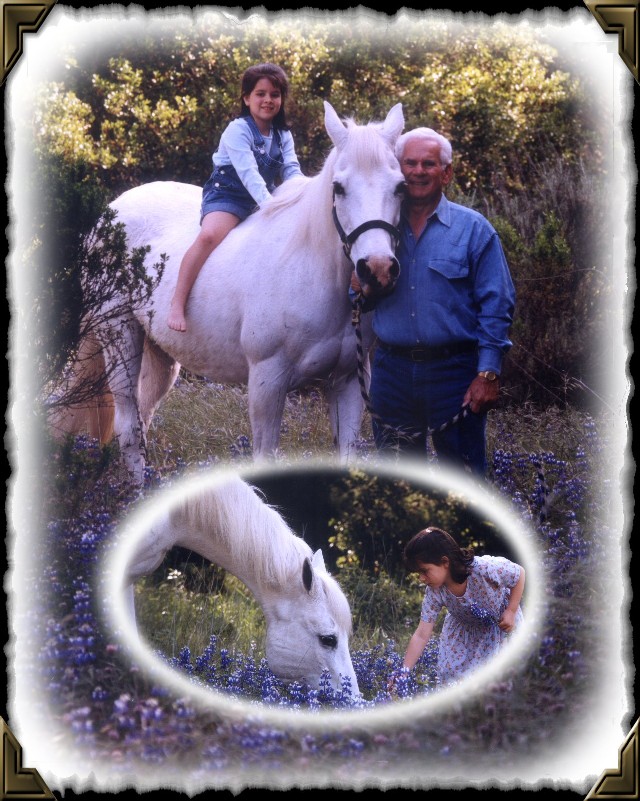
x=270, y=307
x=308, y=617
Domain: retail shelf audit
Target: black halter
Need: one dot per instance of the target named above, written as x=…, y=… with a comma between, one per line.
x=348, y=239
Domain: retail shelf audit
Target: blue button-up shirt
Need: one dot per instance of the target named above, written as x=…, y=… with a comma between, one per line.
x=454, y=286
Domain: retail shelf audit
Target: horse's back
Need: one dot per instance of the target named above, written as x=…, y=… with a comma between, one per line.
x=152, y=211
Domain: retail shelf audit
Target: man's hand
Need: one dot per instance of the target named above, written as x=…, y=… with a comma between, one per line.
x=355, y=283
x=482, y=394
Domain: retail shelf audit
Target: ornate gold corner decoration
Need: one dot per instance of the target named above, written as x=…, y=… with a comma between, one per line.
x=19, y=18
x=18, y=782
x=623, y=782
x=622, y=18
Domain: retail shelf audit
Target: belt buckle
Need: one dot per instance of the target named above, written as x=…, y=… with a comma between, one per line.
x=417, y=355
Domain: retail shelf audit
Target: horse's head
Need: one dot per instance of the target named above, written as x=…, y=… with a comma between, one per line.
x=308, y=629
x=368, y=188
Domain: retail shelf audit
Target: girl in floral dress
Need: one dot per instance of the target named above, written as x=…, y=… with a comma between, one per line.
x=480, y=593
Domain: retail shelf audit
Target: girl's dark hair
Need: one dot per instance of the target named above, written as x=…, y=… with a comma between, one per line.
x=278, y=78
x=431, y=545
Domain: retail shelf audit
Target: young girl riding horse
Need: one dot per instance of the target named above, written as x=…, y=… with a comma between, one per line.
x=255, y=150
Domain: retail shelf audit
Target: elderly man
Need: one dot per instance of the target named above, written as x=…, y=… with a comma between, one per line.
x=443, y=332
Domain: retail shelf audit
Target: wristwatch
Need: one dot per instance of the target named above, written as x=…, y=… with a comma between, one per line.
x=488, y=374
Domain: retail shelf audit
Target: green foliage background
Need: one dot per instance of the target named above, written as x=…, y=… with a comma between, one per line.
x=529, y=148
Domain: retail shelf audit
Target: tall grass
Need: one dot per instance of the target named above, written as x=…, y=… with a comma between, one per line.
x=202, y=422
x=171, y=617
x=216, y=426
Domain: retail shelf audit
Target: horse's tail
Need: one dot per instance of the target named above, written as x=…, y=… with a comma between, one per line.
x=93, y=412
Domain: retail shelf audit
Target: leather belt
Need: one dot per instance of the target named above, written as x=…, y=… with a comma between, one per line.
x=423, y=353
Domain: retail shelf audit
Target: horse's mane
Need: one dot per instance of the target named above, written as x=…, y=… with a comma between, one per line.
x=309, y=199
x=253, y=532
x=364, y=148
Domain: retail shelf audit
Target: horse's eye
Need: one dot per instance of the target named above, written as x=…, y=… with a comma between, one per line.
x=338, y=189
x=401, y=188
x=328, y=640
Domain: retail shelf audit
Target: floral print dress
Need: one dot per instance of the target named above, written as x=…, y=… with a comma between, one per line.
x=470, y=633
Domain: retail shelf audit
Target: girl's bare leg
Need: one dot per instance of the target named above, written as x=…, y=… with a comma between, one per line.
x=215, y=226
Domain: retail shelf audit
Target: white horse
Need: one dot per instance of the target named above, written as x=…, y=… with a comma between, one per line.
x=308, y=617
x=270, y=307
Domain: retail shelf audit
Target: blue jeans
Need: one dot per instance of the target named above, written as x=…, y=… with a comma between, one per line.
x=224, y=191
x=410, y=398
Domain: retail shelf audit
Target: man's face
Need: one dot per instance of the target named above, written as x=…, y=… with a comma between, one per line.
x=423, y=171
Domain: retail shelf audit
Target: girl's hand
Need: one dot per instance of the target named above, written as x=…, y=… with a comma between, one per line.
x=393, y=678
x=507, y=621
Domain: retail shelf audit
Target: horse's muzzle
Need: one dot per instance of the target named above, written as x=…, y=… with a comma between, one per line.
x=377, y=279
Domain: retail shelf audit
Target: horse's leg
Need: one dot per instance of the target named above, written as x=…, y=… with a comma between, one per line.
x=93, y=415
x=345, y=393
x=123, y=347
x=157, y=375
x=267, y=387
x=344, y=398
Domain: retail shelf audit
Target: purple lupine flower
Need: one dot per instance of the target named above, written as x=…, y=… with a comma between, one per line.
x=482, y=615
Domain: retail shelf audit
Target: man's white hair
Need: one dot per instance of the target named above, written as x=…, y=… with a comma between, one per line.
x=427, y=134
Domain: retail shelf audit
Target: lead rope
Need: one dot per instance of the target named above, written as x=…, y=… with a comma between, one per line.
x=356, y=312
x=543, y=493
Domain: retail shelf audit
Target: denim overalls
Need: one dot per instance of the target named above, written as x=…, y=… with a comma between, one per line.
x=224, y=191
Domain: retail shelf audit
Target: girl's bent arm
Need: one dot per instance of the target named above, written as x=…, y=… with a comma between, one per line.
x=417, y=644
x=236, y=142
x=291, y=164
x=507, y=621
x=516, y=592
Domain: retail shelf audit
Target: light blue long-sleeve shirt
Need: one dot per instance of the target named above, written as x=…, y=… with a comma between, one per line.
x=236, y=148
x=454, y=286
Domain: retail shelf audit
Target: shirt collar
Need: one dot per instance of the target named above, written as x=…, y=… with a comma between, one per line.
x=442, y=211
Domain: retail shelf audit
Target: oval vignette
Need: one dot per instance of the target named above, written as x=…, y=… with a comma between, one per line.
x=520, y=539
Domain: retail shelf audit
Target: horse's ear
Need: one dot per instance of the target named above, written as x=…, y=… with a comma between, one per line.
x=393, y=124
x=334, y=125
x=317, y=561
x=307, y=574
x=309, y=565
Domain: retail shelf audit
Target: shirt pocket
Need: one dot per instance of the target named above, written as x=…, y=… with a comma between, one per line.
x=447, y=286
x=449, y=268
